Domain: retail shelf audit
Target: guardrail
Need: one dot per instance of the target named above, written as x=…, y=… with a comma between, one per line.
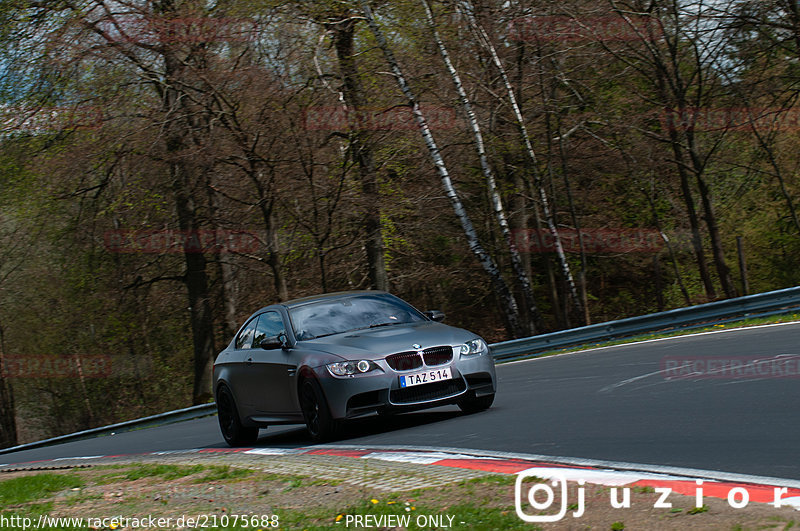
x=780, y=301
x=162, y=418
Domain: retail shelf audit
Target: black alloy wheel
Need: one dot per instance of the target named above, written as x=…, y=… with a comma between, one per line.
x=232, y=430
x=473, y=404
x=319, y=421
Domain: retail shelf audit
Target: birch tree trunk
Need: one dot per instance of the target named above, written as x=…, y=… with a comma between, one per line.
x=507, y=300
x=534, y=323
x=542, y=193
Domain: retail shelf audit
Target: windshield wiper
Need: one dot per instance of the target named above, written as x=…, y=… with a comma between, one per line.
x=376, y=325
x=322, y=335
x=390, y=323
x=353, y=330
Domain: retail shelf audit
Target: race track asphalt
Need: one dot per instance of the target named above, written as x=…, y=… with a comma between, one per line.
x=611, y=404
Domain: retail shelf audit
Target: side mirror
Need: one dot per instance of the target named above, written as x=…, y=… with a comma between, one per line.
x=434, y=315
x=272, y=343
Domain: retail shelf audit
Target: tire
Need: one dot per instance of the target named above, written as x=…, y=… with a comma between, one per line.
x=474, y=404
x=320, y=423
x=229, y=423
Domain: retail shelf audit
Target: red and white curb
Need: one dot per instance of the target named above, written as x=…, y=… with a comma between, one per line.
x=776, y=491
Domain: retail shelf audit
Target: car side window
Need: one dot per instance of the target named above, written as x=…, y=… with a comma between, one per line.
x=270, y=324
x=245, y=337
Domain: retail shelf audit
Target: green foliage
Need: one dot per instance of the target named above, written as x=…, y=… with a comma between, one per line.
x=262, y=142
x=166, y=472
x=31, y=488
x=217, y=473
x=494, y=479
x=478, y=517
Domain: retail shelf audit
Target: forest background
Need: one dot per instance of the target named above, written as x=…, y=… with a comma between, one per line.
x=167, y=167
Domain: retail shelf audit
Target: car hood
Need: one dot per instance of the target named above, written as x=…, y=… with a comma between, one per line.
x=378, y=343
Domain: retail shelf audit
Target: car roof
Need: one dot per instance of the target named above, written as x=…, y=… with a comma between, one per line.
x=323, y=296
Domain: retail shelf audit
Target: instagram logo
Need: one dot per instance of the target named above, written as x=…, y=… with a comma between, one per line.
x=541, y=496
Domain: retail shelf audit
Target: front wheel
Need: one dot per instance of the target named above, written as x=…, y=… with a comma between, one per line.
x=231, y=427
x=319, y=421
x=474, y=404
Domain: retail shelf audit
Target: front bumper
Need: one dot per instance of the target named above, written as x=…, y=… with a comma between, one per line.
x=363, y=394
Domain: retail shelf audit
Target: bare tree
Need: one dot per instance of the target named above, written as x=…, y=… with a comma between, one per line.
x=508, y=302
x=538, y=185
x=360, y=146
x=765, y=41
x=169, y=66
x=8, y=421
x=496, y=201
x=677, y=53
x=14, y=251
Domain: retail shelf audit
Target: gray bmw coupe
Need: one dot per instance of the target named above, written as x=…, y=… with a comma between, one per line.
x=323, y=359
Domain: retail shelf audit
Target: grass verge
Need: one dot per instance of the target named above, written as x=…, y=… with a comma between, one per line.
x=201, y=496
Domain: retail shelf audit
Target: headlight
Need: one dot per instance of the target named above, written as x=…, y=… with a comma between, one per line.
x=349, y=368
x=474, y=347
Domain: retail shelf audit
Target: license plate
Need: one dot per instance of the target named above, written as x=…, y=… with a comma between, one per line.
x=419, y=378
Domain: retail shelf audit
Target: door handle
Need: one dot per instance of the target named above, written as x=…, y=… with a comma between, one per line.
x=249, y=361
x=292, y=371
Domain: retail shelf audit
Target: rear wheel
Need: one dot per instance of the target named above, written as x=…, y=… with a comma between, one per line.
x=473, y=404
x=229, y=423
x=319, y=421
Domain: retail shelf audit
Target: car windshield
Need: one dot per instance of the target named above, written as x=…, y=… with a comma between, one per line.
x=334, y=316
